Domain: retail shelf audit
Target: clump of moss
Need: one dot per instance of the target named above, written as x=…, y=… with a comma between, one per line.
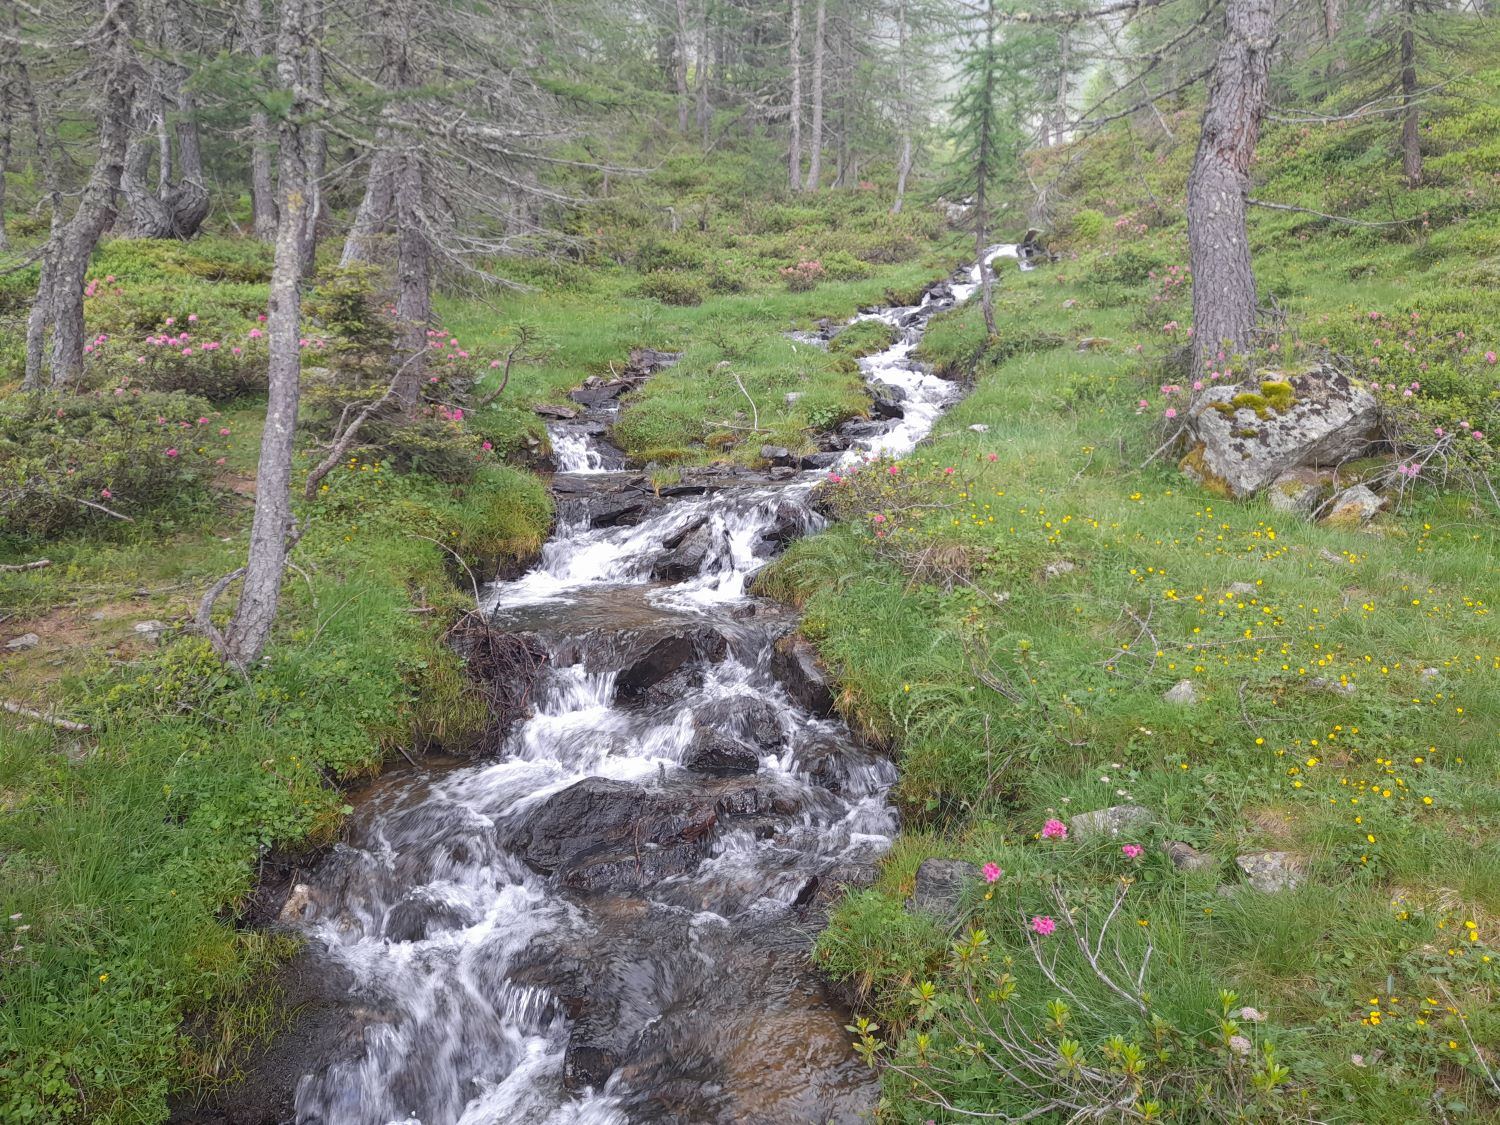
x=1275, y=397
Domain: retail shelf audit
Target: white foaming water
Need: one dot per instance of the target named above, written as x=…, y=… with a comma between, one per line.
x=572, y=452
x=451, y=930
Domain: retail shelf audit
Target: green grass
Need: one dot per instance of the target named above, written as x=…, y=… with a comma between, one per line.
x=1012, y=696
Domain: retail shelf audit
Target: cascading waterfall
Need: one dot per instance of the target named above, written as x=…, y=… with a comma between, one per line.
x=605, y=924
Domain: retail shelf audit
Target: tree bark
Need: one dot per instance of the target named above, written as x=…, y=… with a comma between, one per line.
x=680, y=66
x=794, y=157
x=1219, y=184
x=177, y=205
x=414, y=280
x=374, y=208
x=985, y=156
x=815, y=144
x=1060, y=108
x=250, y=628
x=65, y=260
x=1411, y=137
x=703, y=110
x=189, y=199
x=262, y=139
x=903, y=109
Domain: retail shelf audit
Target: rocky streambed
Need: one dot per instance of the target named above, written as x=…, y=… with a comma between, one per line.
x=608, y=921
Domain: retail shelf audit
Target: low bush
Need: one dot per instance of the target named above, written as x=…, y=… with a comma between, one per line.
x=670, y=288
x=69, y=461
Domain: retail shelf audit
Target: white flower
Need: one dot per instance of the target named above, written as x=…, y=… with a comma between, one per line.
x=1239, y=1045
x=1252, y=1015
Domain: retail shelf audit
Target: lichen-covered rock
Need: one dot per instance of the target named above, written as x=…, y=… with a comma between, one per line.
x=1185, y=857
x=1108, y=822
x=940, y=886
x=1245, y=436
x=1353, y=507
x=1182, y=693
x=1298, y=491
x=1271, y=871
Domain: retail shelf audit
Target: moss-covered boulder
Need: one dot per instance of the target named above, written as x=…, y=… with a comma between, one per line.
x=1246, y=435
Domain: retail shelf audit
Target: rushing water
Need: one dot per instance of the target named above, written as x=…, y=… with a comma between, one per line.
x=608, y=924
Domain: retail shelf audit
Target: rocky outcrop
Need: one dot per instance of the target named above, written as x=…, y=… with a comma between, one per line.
x=1244, y=436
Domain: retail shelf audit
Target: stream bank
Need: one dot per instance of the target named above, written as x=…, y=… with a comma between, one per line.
x=609, y=922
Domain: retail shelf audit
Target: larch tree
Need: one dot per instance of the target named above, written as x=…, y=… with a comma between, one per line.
x=273, y=529
x=794, y=47
x=114, y=77
x=1218, y=188
x=262, y=138
x=815, y=140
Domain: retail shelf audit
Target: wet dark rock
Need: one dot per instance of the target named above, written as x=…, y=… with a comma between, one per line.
x=795, y=664
x=824, y=460
x=719, y=753
x=421, y=915
x=777, y=455
x=860, y=430
x=562, y=413
x=746, y=717
x=686, y=553
x=790, y=523
x=941, y=885
x=667, y=656
x=578, y=825
x=593, y=394
x=318, y=1022
x=886, y=401
x=648, y=361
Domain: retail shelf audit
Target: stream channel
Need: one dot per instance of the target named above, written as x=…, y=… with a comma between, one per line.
x=608, y=922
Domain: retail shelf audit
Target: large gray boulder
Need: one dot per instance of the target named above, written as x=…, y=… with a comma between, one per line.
x=1246, y=435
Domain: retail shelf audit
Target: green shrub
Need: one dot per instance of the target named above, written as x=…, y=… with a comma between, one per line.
x=844, y=266
x=670, y=288
x=1129, y=266
x=67, y=457
x=1087, y=226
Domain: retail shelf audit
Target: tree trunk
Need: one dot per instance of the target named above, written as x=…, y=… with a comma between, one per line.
x=1219, y=184
x=794, y=157
x=262, y=140
x=375, y=208
x=815, y=144
x=188, y=198
x=414, y=281
x=903, y=109
x=680, y=66
x=1332, y=20
x=704, y=114
x=1411, y=138
x=986, y=156
x=250, y=627
x=65, y=261
x=1060, y=109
